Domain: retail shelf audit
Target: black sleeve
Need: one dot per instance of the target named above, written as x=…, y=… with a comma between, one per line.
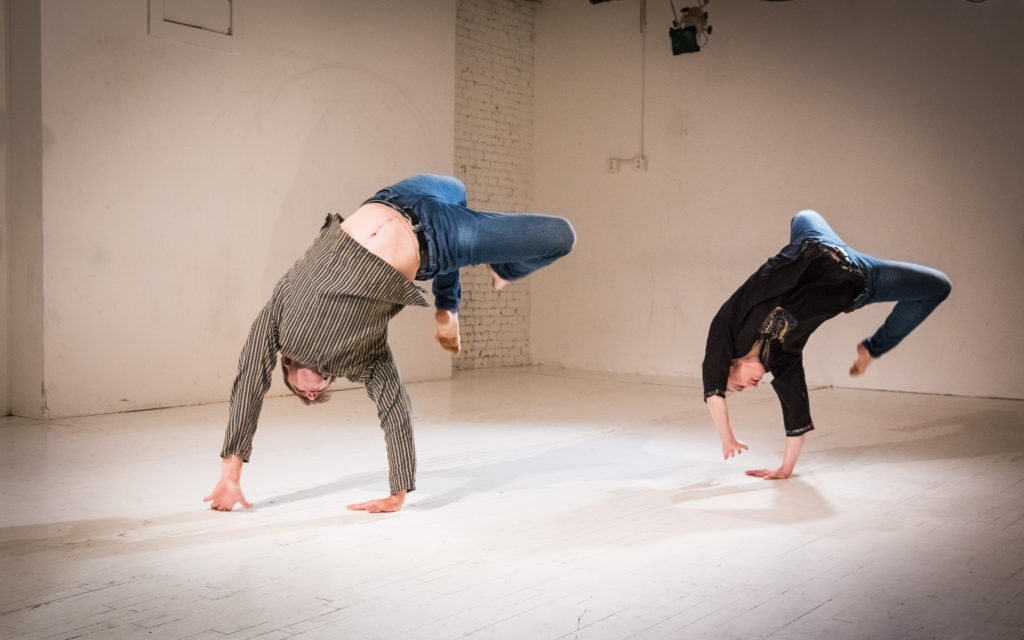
x=718, y=352
x=791, y=388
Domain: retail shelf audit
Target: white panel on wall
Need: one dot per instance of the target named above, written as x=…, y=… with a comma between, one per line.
x=210, y=15
x=207, y=23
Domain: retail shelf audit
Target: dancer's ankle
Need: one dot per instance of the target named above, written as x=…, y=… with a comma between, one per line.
x=498, y=282
x=445, y=316
x=864, y=359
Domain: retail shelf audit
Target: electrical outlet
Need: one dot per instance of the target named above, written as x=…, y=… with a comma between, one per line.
x=612, y=165
x=640, y=163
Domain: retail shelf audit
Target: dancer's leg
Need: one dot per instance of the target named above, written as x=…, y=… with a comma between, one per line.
x=917, y=291
x=514, y=245
x=424, y=194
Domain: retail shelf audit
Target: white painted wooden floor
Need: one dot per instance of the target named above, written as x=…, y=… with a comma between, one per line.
x=551, y=505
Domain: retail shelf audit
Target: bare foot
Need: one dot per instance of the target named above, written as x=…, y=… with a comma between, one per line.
x=863, y=360
x=499, y=282
x=446, y=330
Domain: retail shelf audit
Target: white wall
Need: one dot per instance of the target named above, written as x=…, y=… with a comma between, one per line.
x=180, y=182
x=173, y=184
x=900, y=122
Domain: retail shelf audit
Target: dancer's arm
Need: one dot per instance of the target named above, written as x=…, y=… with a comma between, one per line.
x=394, y=409
x=715, y=370
x=255, y=368
x=791, y=388
x=720, y=416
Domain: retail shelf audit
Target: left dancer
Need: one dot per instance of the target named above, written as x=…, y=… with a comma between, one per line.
x=328, y=315
x=765, y=324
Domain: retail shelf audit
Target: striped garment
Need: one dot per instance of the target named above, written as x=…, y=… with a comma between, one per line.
x=331, y=310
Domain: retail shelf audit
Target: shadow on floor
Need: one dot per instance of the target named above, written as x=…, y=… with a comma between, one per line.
x=609, y=456
x=970, y=435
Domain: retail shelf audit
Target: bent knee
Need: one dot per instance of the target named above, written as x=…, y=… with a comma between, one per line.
x=564, y=236
x=944, y=287
x=455, y=183
x=805, y=215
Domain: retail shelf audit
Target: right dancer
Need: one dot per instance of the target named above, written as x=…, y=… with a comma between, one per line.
x=765, y=324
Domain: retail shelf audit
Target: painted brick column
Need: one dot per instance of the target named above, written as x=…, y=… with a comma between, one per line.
x=493, y=156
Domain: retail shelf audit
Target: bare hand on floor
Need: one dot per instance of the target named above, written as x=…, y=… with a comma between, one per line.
x=226, y=495
x=768, y=474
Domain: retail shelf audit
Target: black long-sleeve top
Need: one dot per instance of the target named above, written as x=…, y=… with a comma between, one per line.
x=331, y=310
x=779, y=307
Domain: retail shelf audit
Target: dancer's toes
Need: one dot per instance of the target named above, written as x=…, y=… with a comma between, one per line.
x=863, y=360
x=499, y=282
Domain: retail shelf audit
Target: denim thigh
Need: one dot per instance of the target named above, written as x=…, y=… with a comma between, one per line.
x=892, y=281
x=514, y=244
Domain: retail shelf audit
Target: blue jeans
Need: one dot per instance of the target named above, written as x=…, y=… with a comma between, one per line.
x=916, y=290
x=514, y=245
